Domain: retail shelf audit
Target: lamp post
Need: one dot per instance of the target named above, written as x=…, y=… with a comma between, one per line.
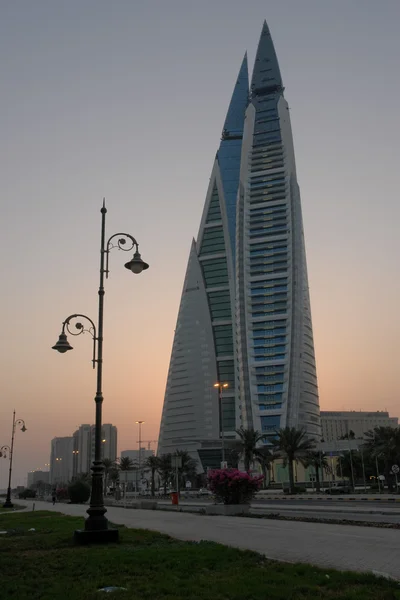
x=4, y=450
x=352, y=469
x=96, y=525
x=221, y=386
x=140, y=423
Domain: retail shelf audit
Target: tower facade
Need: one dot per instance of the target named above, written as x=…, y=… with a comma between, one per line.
x=277, y=371
x=244, y=317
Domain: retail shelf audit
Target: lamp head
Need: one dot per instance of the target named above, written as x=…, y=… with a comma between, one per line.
x=63, y=344
x=136, y=264
x=23, y=428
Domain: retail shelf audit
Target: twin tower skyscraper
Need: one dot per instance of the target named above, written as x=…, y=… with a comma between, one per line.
x=244, y=317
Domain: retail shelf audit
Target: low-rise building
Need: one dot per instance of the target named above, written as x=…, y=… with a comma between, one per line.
x=38, y=476
x=338, y=424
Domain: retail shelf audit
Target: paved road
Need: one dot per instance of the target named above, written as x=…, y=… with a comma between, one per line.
x=329, y=546
x=331, y=513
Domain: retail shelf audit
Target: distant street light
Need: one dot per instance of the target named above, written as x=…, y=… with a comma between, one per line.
x=221, y=386
x=96, y=525
x=140, y=423
x=7, y=450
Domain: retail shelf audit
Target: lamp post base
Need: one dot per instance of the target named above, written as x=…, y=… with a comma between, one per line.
x=8, y=504
x=83, y=537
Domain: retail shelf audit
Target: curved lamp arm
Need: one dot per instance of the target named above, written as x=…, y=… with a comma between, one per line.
x=4, y=450
x=21, y=424
x=63, y=344
x=136, y=264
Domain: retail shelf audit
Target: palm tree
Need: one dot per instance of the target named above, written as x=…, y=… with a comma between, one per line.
x=125, y=464
x=384, y=443
x=152, y=463
x=264, y=457
x=292, y=444
x=318, y=461
x=165, y=470
x=188, y=470
x=108, y=465
x=249, y=438
x=114, y=474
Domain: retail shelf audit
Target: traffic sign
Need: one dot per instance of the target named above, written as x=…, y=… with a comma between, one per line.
x=395, y=469
x=176, y=461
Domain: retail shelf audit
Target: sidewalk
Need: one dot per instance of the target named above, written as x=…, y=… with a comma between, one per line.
x=328, y=546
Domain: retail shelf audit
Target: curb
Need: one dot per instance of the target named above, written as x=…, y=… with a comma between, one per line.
x=331, y=499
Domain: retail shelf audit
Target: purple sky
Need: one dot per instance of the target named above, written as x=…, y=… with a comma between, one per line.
x=127, y=100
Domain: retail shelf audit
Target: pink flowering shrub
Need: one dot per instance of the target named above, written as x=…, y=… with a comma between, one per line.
x=231, y=486
x=62, y=493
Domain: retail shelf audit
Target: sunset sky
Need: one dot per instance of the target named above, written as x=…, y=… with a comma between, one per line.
x=126, y=100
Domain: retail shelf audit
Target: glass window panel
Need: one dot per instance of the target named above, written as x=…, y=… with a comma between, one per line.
x=270, y=423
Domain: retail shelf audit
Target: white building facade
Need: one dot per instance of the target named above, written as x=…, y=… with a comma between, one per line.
x=338, y=424
x=277, y=370
x=244, y=318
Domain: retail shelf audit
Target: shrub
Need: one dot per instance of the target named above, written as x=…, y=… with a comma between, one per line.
x=78, y=491
x=62, y=493
x=27, y=493
x=231, y=486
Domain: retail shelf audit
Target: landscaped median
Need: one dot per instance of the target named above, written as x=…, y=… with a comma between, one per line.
x=39, y=562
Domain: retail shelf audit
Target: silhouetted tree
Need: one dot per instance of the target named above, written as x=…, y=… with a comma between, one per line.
x=249, y=440
x=292, y=444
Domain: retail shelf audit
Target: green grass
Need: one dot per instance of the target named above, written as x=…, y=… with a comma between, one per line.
x=44, y=565
x=13, y=509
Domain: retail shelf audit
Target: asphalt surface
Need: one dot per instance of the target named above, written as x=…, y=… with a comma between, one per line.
x=345, y=547
x=331, y=513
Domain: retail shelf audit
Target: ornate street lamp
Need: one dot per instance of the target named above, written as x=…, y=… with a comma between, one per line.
x=96, y=525
x=9, y=451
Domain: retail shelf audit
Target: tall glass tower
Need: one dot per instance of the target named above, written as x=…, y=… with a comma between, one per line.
x=244, y=317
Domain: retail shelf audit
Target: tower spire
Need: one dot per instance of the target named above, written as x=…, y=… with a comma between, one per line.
x=234, y=122
x=266, y=74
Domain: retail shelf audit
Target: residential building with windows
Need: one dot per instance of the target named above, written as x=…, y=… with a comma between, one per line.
x=61, y=460
x=84, y=447
x=338, y=424
x=244, y=317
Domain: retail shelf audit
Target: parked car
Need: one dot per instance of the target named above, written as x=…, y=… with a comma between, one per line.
x=337, y=488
